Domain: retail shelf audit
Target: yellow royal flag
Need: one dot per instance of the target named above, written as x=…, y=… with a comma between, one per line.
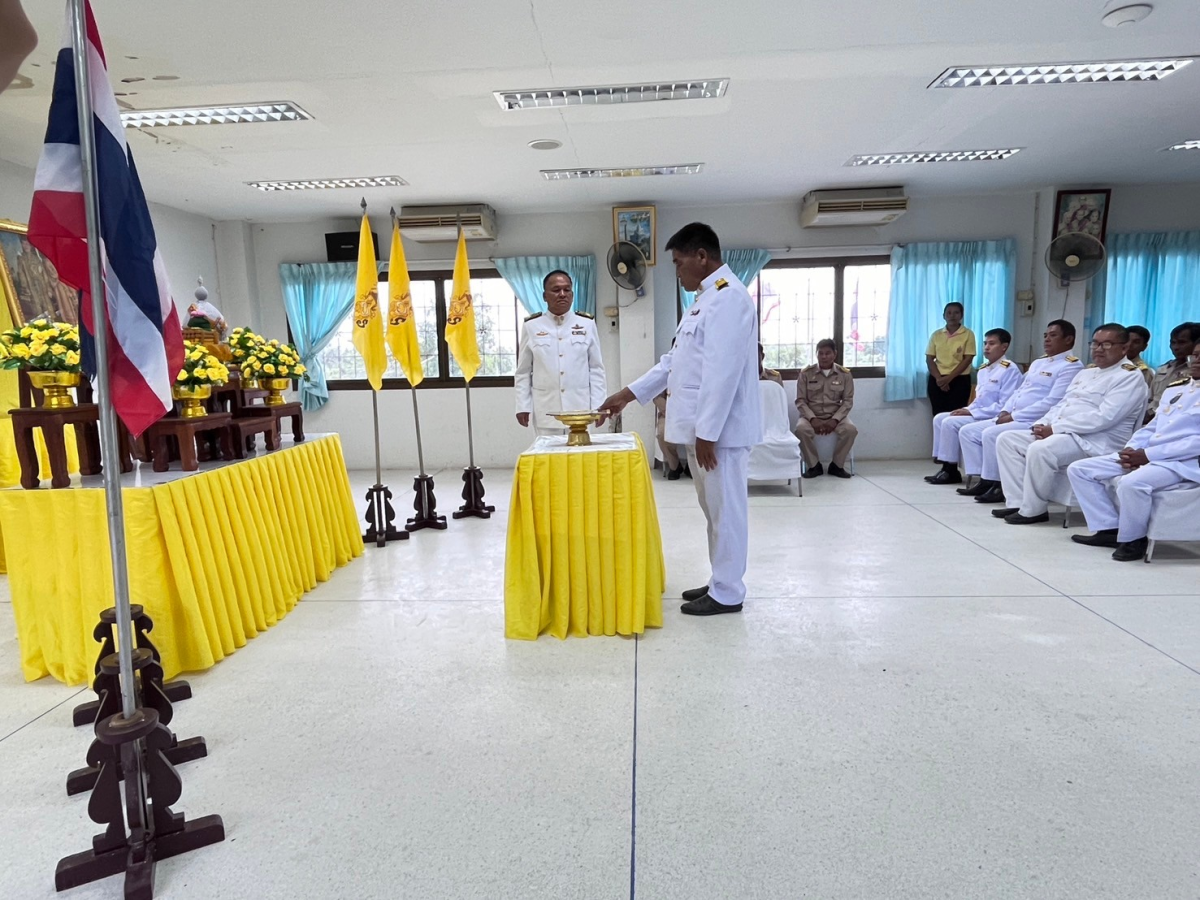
x=368, y=323
x=402, y=325
x=460, y=318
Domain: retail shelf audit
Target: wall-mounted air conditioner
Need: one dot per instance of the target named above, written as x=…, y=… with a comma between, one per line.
x=433, y=224
x=872, y=206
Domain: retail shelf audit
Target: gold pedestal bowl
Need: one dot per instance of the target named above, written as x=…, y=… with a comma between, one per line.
x=577, y=421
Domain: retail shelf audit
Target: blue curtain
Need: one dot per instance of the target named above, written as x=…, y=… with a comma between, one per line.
x=317, y=297
x=1153, y=280
x=925, y=277
x=745, y=264
x=524, y=275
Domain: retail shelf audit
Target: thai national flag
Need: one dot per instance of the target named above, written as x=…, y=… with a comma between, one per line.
x=145, y=340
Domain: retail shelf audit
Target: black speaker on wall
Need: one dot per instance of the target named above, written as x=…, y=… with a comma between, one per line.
x=342, y=246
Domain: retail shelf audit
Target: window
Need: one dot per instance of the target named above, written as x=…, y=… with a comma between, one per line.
x=498, y=316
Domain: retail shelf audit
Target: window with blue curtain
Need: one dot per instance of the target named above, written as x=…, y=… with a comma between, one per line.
x=316, y=297
x=925, y=277
x=745, y=264
x=524, y=275
x=1152, y=280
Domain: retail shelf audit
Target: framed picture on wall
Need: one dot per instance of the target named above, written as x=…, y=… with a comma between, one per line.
x=29, y=281
x=636, y=225
x=1083, y=212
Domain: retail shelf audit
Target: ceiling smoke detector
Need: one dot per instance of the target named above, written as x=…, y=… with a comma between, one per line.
x=545, y=144
x=1127, y=15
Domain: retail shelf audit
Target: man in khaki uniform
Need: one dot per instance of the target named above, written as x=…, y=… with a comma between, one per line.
x=825, y=396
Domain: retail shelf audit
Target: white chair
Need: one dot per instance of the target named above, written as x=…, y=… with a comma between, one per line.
x=1174, y=516
x=778, y=456
x=826, y=444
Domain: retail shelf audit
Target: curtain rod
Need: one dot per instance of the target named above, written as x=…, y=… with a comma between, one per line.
x=846, y=250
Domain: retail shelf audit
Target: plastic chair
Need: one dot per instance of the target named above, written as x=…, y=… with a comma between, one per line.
x=778, y=456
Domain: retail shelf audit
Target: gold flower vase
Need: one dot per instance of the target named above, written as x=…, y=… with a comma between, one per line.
x=276, y=387
x=191, y=396
x=56, y=387
x=577, y=421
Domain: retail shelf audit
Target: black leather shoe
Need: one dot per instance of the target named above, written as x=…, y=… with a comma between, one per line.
x=1003, y=512
x=838, y=471
x=695, y=593
x=1127, y=552
x=946, y=476
x=1105, y=538
x=674, y=474
x=978, y=489
x=707, y=606
x=994, y=494
x=813, y=471
x=1018, y=519
x=687, y=472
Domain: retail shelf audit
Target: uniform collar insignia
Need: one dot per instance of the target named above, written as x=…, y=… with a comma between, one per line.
x=695, y=312
x=721, y=284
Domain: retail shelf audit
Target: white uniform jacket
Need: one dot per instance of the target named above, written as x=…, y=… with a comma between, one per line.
x=995, y=383
x=559, y=367
x=1172, y=439
x=711, y=374
x=1044, y=386
x=1102, y=408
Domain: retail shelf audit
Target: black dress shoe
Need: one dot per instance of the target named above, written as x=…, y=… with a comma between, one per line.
x=674, y=474
x=813, y=471
x=707, y=606
x=1003, y=512
x=946, y=476
x=978, y=489
x=838, y=471
x=1018, y=519
x=994, y=494
x=687, y=472
x=695, y=593
x=1106, y=537
x=1130, y=550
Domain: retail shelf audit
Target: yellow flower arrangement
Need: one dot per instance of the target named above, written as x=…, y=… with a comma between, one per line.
x=276, y=360
x=244, y=343
x=200, y=368
x=41, y=346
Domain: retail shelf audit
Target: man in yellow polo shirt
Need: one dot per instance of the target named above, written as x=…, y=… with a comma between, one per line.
x=948, y=357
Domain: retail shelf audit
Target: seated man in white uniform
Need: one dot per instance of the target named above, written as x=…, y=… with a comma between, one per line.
x=1044, y=385
x=559, y=367
x=1163, y=454
x=1103, y=405
x=995, y=382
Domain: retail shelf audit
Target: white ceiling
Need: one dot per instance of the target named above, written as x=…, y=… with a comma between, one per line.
x=405, y=89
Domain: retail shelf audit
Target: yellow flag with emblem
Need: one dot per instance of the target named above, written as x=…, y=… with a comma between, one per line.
x=460, y=317
x=368, y=323
x=402, y=325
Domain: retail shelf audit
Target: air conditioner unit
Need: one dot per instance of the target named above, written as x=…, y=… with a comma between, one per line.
x=874, y=206
x=433, y=224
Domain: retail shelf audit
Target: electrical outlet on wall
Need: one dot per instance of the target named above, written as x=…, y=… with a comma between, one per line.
x=1025, y=303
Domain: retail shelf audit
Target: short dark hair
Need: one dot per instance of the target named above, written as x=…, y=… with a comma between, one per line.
x=1121, y=331
x=695, y=237
x=1064, y=326
x=546, y=280
x=1000, y=333
x=961, y=308
x=827, y=344
x=1191, y=328
x=1141, y=331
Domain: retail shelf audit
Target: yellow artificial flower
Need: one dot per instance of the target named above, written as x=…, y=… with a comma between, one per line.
x=269, y=369
x=26, y=332
x=37, y=348
x=58, y=349
x=72, y=357
x=273, y=343
x=300, y=368
x=20, y=351
x=182, y=376
x=216, y=374
x=283, y=370
x=256, y=365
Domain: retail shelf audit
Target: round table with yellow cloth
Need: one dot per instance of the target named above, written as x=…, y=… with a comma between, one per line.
x=584, y=554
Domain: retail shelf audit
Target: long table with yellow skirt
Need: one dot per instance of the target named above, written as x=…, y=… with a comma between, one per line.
x=584, y=553
x=215, y=557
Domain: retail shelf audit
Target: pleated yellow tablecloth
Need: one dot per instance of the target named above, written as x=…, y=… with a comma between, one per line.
x=214, y=558
x=584, y=553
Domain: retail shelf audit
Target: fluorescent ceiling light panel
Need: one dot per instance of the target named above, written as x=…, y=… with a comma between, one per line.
x=214, y=115
x=930, y=156
x=1185, y=145
x=631, y=172
x=612, y=94
x=374, y=181
x=1060, y=73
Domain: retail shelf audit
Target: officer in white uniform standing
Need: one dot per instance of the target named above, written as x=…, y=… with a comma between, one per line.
x=559, y=366
x=713, y=409
x=1103, y=405
x=1163, y=454
x=1044, y=386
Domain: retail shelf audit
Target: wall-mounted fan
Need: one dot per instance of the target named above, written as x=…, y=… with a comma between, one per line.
x=1074, y=256
x=627, y=266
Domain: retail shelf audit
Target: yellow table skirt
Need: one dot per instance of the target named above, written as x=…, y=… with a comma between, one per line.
x=584, y=553
x=214, y=558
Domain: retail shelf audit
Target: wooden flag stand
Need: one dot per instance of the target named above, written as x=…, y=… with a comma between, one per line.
x=425, y=504
x=380, y=514
x=472, y=478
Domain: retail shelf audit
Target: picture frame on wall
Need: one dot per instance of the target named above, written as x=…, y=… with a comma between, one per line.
x=637, y=225
x=30, y=282
x=1082, y=212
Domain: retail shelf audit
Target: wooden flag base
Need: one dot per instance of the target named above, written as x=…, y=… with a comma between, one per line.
x=473, y=495
x=425, y=505
x=379, y=506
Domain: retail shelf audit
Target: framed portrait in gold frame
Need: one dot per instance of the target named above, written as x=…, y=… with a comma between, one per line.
x=29, y=281
x=636, y=224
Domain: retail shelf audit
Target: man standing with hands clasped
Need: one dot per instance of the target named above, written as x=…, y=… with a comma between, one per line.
x=712, y=407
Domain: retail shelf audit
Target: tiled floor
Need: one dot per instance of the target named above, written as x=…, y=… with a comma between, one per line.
x=918, y=702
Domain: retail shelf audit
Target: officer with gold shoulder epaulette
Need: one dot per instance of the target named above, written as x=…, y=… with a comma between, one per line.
x=824, y=397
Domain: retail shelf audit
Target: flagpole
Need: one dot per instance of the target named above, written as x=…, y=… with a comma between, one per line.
x=470, y=429
x=109, y=452
x=417, y=422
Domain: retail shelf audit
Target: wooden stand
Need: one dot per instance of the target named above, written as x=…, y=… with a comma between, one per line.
x=425, y=505
x=244, y=429
x=380, y=516
x=185, y=432
x=85, y=419
x=473, y=496
x=293, y=411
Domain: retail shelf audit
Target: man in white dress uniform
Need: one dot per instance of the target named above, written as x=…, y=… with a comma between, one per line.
x=1103, y=405
x=559, y=367
x=711, y=375
x=1163, y=454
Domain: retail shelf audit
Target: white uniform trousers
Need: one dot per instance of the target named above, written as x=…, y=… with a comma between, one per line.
x=1135, y=494
x=543, y=432
x=946, y=430
x=1033, y=472
x=723, y=497
x=977, y=442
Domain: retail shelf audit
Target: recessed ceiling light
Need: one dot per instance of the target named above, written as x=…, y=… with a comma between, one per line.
x=612, y=94
x=282, y=111
x=930, y=156
x=631, y=172
x=1185, y=145
x=323, y=183
x=1060, y=73
x=166, y=77
x=545, y=144
x=1127, y=15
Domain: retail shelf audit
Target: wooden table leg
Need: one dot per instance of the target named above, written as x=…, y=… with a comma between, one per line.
x=57, y=448
x=162, y=457
x=272, y=435
x=27, y=456
x=87, y=443
x=188, y=460
x=297, y=428
x=227, y=436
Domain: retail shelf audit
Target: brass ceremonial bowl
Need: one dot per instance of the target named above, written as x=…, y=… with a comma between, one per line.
x=275, y=387
x=55, y=387
x=577, y=421
x=192, y=397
